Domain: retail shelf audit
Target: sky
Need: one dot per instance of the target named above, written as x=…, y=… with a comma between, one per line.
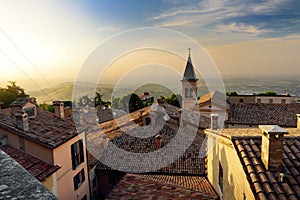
x=44, y=43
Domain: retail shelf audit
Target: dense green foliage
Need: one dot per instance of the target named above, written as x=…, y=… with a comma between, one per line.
x=47, y=107
x=10, y=93
x=232, y=93
x=131, y=103
x=97, y=101
x=268, y=93
x=174, y=100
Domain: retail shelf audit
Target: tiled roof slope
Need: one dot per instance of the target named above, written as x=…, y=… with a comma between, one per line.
x=45, y=128
x=21, y=101
x=191, y=162
x=162, y=187
x=264, y=114
x=263, y=183
x=215, y=96
x=107, y=114
x=38, y=168
x=17, y=183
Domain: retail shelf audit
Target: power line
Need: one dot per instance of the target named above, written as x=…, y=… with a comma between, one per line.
x=29, y=61
x=19, y=68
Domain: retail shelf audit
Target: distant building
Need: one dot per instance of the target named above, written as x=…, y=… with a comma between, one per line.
x=256, y=98
x=254, y=163
x=214, y=103
x=50, y=141
x=189, y=86
x=146, y=97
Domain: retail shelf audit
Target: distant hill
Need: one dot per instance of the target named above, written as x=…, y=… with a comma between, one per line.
x=64, y=90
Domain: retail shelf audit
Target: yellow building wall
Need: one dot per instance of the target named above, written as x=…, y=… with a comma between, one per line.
x=48, y=183
x=12, y=139
x=235, y=184
x=63, y=158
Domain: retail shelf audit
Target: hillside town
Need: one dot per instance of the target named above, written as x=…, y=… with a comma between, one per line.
x=219, y=147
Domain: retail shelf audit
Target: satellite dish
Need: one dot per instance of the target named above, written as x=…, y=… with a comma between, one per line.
x=166, y=117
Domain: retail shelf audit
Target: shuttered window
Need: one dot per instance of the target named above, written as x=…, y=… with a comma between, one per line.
x=77, y=153
x=78, y=179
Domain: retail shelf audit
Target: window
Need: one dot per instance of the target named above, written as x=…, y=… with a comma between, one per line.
x=221, y=177
x=283, y=101
x=241, y=100
x=84, y=198
x=77, y=153
x=270, y=100
x=21, y=143
x=258, y=100
x=191, y=92
x=187, y=92
x=78, y=179
x=30, y=112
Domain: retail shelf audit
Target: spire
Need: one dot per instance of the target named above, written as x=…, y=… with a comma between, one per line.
x=189, y=73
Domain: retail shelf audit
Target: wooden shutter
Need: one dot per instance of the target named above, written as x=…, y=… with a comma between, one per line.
x=81, y=152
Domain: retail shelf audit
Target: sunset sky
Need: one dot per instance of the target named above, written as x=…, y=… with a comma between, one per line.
x=43, y=43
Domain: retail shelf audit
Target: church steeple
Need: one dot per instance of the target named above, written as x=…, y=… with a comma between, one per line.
x=189, y=85
x=189, y=73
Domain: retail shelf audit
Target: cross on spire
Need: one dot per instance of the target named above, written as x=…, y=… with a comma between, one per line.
x=189, y=51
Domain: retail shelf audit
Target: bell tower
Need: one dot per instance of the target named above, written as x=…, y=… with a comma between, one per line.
x=189, y=85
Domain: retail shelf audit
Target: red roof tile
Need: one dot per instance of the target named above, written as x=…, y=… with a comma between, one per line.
x=264, y=183
x=38, y=168
x=264, y=114
x=135, y=186
x=45, y=128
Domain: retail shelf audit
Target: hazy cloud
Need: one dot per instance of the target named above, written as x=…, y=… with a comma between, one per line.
x=212, y=11
x=240, y=28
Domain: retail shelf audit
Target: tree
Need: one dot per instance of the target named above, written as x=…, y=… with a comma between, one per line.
x=232, y=93
x=86, y=101
x=47, y=107
x=268, y=93
x=10, y=93
x=174, y=100
x=98, y=99
x=131, y=103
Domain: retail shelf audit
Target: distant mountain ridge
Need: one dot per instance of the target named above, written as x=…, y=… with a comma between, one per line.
x=63, y=91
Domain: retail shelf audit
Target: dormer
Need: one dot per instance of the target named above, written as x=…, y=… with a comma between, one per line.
x=25, y=104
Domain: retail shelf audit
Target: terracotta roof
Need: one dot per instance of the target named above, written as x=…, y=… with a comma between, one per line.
x=264, y=114
x=45, y=129
x=21, y=101
x=215, y=97
x=100, y=142
x=108, y=114
x=134, y=186
x=263, y=183
x=191, y=162
x=38, y=168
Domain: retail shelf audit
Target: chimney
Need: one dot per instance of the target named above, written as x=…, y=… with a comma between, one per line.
x=161, y=103
x=179, y=117
x=22, y=120
x=272, y=147
x=298, y=121
x=77, y=116
x=158, y=141
x=59, y=109
x=214, y=118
